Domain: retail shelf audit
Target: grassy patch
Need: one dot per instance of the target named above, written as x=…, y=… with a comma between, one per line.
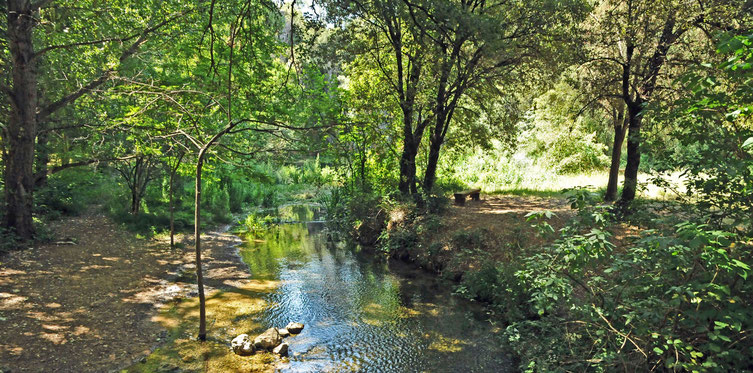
x=227, y=316
x=526, y=192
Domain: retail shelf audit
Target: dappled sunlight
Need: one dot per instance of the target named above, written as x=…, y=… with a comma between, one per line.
x=9, y=349
x=56, y=338
x=54, y=328
x=405, y=312
x=444, y=344
x=6, y=276
x=81, y=330
x=10, y=301
x=225, y=309
x=227, y=316
x=4, y=272
x=94, y=266
x=51, y=316
x=160, y=292
x=82, y=306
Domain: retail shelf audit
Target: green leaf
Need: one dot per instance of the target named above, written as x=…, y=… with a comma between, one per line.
x=748, y=143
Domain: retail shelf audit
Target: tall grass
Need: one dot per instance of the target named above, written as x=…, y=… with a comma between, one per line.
x=498, y=172
x=227, y=191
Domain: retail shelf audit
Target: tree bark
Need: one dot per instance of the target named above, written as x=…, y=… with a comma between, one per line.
x=620, y=129
x=42, y=158
x=407, y=184
x=137, y=177
x=430, y=175
x=197, y=237
x=172, y=200
x=633, y=154
x=22, y=123
x=135, y=202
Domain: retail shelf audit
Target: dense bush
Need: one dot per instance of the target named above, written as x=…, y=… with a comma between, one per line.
x=678, y=299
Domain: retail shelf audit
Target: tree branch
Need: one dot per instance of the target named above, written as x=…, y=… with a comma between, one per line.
x=38, y=177
x=105, y=75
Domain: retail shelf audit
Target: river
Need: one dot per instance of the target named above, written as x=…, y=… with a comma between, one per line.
x=364, y=313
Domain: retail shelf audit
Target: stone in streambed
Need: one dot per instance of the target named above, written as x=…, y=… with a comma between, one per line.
x=294, y=327
x=268, y=340
x=281, y=350
x=242, y=345
x=284, y=333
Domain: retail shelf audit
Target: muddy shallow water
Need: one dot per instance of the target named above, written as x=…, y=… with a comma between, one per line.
x=363, y=313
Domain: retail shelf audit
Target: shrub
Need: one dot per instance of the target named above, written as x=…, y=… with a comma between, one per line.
x=679, y=299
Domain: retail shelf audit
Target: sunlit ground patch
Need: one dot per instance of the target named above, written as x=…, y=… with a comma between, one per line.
x=228, y=314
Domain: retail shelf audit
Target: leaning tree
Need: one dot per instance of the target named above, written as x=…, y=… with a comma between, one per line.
x=81, y=43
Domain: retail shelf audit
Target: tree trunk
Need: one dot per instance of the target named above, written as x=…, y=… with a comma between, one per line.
x=407, y=183
x=363, y=164
x=172, y=200
x=22, y=124
x=135, y=202
x=197, y=238
x=42, y=157
x=620, y=129
x=633, y=154
x=172, y=211
x=431, y=167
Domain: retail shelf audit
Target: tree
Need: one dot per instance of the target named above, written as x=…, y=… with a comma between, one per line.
x=174, y=165
x=28, y=110
x=401, y=60
x=640, y=46
x=714, y=128
x=433, y=52
x=137, y=173
x=619, y=126
x=233, y=94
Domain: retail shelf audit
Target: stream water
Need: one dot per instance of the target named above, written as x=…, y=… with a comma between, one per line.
x=362, y=313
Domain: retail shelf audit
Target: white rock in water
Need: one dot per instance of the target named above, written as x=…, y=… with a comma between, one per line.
x=268, y=340
x=283, y=332
x=294, y=327
x=281, y=350
x=242, y=345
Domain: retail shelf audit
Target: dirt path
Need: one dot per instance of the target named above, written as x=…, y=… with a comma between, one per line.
x=499, y=213
x=89, y=305
x=505, y=217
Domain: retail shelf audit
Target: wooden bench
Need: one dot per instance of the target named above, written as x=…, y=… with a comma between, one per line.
x=460, y=196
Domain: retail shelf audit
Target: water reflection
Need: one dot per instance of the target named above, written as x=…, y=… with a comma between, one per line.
x=363, y=314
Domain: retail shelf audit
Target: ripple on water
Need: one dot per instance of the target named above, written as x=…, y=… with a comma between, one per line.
x=362, y=314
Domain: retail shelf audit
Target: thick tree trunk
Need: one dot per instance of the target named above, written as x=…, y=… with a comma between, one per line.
x=633, y=154
x=431, y=166
x=197, y=237
x=135, y=202
x=620, y=129
x=22, y=124
x=407, y=184
x=42, y=158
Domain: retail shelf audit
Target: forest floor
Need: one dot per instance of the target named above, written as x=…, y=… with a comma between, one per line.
x=99, y=299
x=491, y=231
x=501, y=221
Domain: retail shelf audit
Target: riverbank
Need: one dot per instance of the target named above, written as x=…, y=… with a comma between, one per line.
x=100, y=299
x=463, y=239
x=590, y=288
